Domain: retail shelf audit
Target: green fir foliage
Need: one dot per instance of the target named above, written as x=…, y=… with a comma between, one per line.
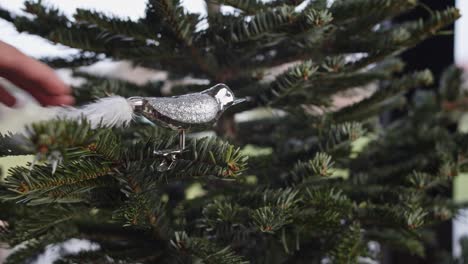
x=304, y=194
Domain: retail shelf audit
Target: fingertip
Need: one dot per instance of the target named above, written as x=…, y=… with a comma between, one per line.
x=10, y=102
x=34, y=75
x=61, y=100
x=55, y=86
x=62, y=88
x=6, y=98
x=68, y=100
x=52, y=100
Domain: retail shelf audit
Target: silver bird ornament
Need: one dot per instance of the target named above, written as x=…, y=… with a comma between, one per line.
x=177, y=113
x=183, y=112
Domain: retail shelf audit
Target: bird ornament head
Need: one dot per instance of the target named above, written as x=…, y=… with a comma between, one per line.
x=223, y=95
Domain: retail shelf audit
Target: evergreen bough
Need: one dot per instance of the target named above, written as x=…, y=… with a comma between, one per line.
x=291, y=187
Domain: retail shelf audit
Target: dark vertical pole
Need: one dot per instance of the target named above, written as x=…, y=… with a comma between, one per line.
x=436, y=54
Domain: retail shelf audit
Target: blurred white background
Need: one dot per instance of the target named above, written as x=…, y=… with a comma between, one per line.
x=37, y=47
x=461, y=34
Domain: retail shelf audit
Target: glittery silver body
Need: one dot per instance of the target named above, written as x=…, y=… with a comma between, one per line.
x=185, y=111
x=189, y=109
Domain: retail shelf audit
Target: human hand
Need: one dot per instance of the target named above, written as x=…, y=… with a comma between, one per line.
x=32, y=76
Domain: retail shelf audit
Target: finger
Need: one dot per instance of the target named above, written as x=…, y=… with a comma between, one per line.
x=37, y=91
x=51, y=100
x=54, y=100
x=6, y=98
x=42, y=97
x=32, y=74
x=46, y=78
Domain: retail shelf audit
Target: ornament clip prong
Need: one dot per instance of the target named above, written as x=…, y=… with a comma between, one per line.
x=170, y=155
x=182, y=139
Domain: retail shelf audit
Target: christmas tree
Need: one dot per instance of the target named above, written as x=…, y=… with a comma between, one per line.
x=291, y=176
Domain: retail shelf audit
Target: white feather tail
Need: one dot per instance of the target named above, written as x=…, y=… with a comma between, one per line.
x=114, y=111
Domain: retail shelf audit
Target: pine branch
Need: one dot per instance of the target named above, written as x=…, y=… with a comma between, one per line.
x=309, y=83
x=40, y=185
x=87, y=37
x=76, y=36
x=269, y=220
x=397, y=87
x=211, y=156
x=379, y=44
x=207, y=158
x=13, y=144
x=315, y=169
x=144, y=210
x=249, y=38
x=410, y=218
x=398, y=38
x=175, y=19
x=412, y=150
x=44, y=18
x=99, y=87
x=201, y=249
x=273, y=26
x=173, y=22
x=220, y=213
x=298, y=141
x=80, y=159
x=340, y=77
x=400, y=240
x=52, y=225
x=106, y=185
x=82, y=59
x=421, y=30
x=41, y=224
x=450, y=83
x=328, y=200
x=247, y=6
x=118, y=243
x=348, y=245
x=57, y=135
x=286, y=83
x=334, y=139
x=114, y=24
x=369, y=12
x=253, y=6
x=28, y=252
x=6, y=15
x=259, y=25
